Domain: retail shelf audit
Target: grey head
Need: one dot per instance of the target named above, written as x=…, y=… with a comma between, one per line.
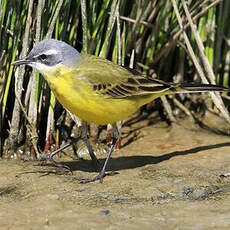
x=48, y=53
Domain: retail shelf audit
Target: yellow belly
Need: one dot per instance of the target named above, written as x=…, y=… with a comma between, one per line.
x=89, y=105
x=79, y=98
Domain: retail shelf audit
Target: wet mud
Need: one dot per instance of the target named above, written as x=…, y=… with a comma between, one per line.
x=169, y=178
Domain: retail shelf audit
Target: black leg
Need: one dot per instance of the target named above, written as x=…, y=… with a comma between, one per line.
x=84, y=136
x=91, y=153
x=49, y=157
x=102, y=174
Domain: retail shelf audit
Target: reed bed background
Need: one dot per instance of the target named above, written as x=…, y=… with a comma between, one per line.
x=175, y=40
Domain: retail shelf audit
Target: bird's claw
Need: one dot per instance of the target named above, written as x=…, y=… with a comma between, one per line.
x=43, y=161
x=98, y=177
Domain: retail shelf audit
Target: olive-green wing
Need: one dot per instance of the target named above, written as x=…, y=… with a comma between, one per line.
x=115, y=81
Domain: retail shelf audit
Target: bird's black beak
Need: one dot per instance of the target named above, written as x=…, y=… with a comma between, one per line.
x=22, y=61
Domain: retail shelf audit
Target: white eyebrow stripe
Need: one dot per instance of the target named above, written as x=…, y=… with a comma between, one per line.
x=50, y=52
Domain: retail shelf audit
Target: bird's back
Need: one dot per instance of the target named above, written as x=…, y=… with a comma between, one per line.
x=100, y=91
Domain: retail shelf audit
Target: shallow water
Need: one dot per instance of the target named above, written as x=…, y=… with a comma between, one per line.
x=169, y=178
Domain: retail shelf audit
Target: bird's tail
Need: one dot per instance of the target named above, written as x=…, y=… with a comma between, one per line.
x=196, y=88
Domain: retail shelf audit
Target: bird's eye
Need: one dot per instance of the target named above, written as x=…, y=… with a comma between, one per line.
x=43, y=57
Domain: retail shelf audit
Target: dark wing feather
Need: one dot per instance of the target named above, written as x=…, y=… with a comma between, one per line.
x=116, y=81
x=134, y=86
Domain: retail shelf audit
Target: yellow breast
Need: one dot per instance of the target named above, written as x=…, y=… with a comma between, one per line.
x=78, y=96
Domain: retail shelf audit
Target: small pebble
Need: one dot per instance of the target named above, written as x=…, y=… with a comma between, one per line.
x=104, y=212
x=53, y=196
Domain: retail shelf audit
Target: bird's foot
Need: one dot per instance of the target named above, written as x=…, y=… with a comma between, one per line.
x=43, y=161
x=98, y=177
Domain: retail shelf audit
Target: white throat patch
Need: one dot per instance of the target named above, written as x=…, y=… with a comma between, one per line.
x=42, y=68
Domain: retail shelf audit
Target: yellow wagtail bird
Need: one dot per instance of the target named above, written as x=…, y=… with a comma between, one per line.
x=97, y=90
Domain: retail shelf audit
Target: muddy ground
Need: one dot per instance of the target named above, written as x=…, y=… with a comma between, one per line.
x=169, y=178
